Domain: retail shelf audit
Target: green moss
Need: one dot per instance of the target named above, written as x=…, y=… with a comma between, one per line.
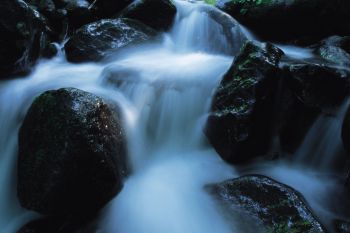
x=255, y=2
x=210, y=2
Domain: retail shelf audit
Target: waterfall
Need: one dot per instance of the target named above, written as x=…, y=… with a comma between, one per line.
x=323, y=144
x=164, y=89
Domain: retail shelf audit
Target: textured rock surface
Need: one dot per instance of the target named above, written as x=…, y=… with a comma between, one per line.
x=303, y=20
x=23, y=37
x=240, y=123
x=72, y=154
x=269, y=204
x=98, y=40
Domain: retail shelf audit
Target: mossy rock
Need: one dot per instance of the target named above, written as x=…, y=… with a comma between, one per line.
x=239, y=124
x=272, y=206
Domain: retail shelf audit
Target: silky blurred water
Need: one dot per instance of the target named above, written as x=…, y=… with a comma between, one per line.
x=164, y=89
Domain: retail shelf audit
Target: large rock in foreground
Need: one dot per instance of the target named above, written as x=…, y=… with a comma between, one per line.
x=292, y=19
x=23, y=37
x=240, y=123
x=72, y=154
x=98, y=40
x=57, y=225
x=267, y=204
x=158, y=14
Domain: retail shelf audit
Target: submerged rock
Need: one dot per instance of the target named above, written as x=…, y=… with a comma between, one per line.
x=98, y=40
x=342, y=226
x=240, y=123
x=23, y=37
x=158, y=14
x=72, y=153
x=336, y=50
x=266, y=203
x=310, y=20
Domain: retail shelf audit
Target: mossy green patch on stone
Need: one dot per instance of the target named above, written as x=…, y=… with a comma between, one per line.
x=210, y=2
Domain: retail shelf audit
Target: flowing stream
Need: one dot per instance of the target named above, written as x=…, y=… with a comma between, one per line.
x=165, y=91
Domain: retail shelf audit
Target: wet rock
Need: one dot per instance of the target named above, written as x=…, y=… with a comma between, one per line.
x=72, y=156
x=319, y=85
x=79, y=13
x=308, y=20
x=342, y=226
x=65, y=16
x=23, y=36
x=240, y=123
x=266, y=203
x=158, y=14
x=336, y=50
x=98, y=40
x=50, y=50
x=228, y=28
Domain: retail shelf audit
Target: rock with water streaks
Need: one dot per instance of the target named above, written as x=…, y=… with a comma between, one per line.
x=24, y=35
x=303, y=20
x=240, y=123
x=308, y=89
x=265, y=203
x=100, y=39
x=72, y=153
x=158, y=14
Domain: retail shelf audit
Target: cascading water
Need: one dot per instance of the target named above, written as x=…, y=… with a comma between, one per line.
x=164, y=90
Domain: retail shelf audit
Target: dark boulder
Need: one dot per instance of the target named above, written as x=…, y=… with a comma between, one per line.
x=79, y=13
x=65, y=16
x=318, y=85
x=72, y=153
x=307, y=20
x=58, y=225
x=240, y=122
x=98, y=40
x=158, y=14
x=269, y=204
x=109, y=8
x=23, y=37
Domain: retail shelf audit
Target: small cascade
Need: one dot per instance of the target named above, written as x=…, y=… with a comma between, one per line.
x=323, y=144
x=164, y=90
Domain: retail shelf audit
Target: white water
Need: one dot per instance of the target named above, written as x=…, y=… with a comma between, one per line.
x=165, y=91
